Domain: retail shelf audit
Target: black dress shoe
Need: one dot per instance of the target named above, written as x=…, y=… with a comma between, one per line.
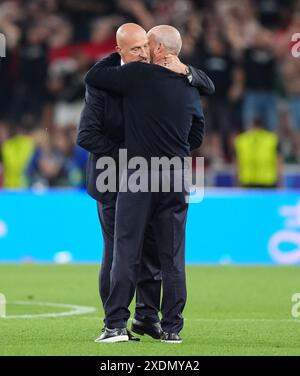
x=113, y=335
x=171, y=338
x=152, y=329
x=131, y=337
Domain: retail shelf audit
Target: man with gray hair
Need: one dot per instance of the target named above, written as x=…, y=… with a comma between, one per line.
x=163, y=39
x=161, y=110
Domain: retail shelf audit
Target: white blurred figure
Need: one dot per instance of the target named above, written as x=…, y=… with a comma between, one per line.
x=2, y=306
x=63, y=257
x=3, y=229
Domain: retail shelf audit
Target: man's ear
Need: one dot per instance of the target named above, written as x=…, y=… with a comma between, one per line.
x=160, y=48
x=118, y=50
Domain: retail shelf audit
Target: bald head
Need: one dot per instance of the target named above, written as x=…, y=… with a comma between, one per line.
x=132, y=43
x=129, y=31
x=164, y=39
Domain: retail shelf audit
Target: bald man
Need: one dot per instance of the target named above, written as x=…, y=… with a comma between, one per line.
x=132, y=45
x=101, y=132
x=163, y=117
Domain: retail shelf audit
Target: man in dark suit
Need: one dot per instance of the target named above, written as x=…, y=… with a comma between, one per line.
x=162, y=111
x=101, y=132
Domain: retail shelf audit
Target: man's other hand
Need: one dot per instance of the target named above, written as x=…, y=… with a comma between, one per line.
x=173, y=63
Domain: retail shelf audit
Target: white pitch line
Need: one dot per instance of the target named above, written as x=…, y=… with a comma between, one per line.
x=74, y=310
x=222, y=320
x=81, y=310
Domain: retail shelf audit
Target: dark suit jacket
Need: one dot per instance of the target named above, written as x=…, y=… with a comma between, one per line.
x=160, y=107
x=101, y=132
x=101, y=129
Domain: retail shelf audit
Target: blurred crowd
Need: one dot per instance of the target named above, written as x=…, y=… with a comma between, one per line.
x=243, y=45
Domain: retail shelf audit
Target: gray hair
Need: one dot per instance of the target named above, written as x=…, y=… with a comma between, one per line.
x=169, y=37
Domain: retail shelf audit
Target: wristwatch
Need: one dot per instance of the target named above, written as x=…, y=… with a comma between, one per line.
x=188, y=73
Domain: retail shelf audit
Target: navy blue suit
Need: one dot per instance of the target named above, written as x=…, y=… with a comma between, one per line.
x=163, y=117
x=101, y=132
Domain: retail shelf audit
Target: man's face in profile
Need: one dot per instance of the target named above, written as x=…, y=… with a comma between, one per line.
x=136, y=49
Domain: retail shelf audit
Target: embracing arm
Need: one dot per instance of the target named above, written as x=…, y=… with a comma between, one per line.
x=196, y=133
x=201, y=81
x=198, y=122
x=118, y=79
x=195, y=76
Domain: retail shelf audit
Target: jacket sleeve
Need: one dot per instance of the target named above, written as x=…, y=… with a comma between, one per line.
x=201, y=81
x=118, y=79
x=196, y=133
x=91, y=133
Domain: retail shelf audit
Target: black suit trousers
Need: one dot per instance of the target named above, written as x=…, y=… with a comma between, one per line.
x=148, y=291
x=167, y=213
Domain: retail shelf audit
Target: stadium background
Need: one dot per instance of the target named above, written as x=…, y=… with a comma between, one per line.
x=47, y=218
x=45, y=215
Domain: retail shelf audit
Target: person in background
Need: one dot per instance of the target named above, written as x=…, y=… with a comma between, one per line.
x=29, y=94
x=15, y=154
x=257, y=157
x=217, y=61
x=56, y=161
x=291, y=81
x=66, y=90
x=260, y=70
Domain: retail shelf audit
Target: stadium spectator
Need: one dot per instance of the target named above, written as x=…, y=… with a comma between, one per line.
x=66, y=91
x=291, y=83
x=260, y=70
x=289, y=146
x=29, y=95
x=15, y=154
x=57, y=161
x=218, y=63
x=271, y=13
x=257, y=154
x=51, y=44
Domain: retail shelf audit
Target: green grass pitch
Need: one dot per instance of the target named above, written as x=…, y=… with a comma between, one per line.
x=231, y=310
